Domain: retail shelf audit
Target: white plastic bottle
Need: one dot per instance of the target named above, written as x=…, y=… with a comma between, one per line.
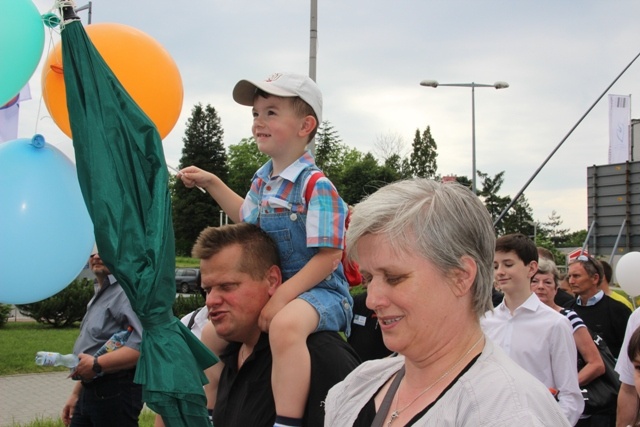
x=48, y=358
x=116, y=341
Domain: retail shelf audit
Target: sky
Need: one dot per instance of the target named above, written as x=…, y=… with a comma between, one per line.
x=557, y=56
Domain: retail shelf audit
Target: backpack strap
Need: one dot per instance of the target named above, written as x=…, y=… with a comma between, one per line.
x=315, y=176
x=192, y=319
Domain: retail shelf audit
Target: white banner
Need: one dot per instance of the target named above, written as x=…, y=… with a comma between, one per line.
x=9, y=113
x=619, y=122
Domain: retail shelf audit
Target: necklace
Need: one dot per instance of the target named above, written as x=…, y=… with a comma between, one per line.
x=396, y=413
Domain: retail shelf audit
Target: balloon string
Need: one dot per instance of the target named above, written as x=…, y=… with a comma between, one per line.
x=49, y=50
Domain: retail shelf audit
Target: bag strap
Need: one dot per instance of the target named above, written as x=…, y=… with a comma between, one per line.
x=192, y=319
x=315, y=176
x=388, y=398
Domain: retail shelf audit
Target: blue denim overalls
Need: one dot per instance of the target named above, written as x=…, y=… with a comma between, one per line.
x=287, y=226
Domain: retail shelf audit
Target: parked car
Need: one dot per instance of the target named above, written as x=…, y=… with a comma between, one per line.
x=187, y=280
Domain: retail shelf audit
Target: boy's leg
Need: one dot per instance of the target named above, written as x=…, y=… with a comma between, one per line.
x=291, y=371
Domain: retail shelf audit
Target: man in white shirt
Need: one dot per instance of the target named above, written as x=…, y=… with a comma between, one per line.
x=534, y=335
x=628, y=396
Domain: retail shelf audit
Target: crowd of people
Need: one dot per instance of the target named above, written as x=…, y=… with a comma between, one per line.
x=455, y=327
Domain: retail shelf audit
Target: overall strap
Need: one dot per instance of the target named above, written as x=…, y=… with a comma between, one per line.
x=388, y=398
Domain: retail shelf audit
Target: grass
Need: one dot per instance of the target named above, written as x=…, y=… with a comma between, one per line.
x=147, y=418
x=183, y=261
x=20, y=341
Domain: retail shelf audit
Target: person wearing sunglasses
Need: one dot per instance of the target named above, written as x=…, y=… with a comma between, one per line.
x=601, y=313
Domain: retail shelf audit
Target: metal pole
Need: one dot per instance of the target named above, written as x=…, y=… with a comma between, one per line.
x=515, y=199
x=473, y=137
x=313, y=56
x=86, y=7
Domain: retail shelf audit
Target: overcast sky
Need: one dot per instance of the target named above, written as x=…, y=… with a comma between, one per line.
x=557, y=56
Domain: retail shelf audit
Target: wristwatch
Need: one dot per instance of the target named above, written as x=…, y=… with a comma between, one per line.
x=96, y=366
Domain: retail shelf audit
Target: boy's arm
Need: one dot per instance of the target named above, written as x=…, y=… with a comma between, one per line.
x=315, y=271
x=228, y=200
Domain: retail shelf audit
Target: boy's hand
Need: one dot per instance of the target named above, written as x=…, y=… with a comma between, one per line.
x=268, y=312
x=193, y=176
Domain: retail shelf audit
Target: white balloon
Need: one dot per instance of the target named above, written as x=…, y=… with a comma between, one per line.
x=628, y=273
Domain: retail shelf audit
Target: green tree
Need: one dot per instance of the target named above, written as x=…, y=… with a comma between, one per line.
x=423, y=157
x=518, y=219
x=244, y=159
x=551, y=228
x=329, y=151
x=64, y=308
x=575, y=239
x=364, y=177
x=203, y=147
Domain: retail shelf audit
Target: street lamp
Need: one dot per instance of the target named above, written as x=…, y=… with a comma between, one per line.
x=535, y=229
x=473, y=86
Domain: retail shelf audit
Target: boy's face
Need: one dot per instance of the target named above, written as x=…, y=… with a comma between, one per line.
x=511, y=273
x=277, y=129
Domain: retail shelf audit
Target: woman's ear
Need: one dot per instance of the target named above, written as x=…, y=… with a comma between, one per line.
x=464, y=277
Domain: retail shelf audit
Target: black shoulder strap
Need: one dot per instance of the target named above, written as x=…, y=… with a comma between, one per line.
x=192, y=319
x=388, y=398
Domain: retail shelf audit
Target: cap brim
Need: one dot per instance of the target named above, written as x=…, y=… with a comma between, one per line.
x=245, y=91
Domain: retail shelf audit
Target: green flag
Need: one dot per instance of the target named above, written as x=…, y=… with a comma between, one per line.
x=124, y=180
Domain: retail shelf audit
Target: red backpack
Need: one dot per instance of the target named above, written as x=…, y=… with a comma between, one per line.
x=351, y=269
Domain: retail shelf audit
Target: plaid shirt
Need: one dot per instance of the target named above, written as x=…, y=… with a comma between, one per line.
x=326, y=211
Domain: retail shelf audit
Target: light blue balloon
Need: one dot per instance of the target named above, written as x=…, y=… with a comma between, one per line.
x=46, y=234
x=21, y=45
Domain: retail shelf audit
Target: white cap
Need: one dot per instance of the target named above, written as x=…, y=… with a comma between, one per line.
x=281, y=84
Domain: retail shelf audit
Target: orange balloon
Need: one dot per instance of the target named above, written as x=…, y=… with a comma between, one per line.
x=141, y=64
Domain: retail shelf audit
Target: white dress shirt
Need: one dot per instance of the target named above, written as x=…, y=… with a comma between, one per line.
x=540, y=340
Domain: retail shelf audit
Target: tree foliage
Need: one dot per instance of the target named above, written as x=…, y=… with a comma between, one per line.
x=203, y=147
x=423, y=156
x=244, y=159
x=64, y=308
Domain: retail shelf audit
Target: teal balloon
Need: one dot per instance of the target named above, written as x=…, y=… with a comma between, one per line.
x=21, y=45
x=46, y=234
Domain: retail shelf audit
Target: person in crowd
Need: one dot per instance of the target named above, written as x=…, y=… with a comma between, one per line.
x=240, y=274
x=535, y=336
x=628, y=407
x=366, y=335
x=602, y=314
x=287, y=109
x=426, y=249
x=562, y=297
x=607, y=270
x=590, y=365
x=105, y=394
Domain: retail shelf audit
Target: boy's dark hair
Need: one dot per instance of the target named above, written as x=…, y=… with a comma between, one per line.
x=259, y=251
x=520, y=244
x=607, y=270
x=299, y=106
x=633, y=349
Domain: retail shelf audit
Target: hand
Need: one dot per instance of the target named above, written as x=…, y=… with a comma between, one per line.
x=270, y=309
x=67, y=410
x=84, y=369
x=193, y=176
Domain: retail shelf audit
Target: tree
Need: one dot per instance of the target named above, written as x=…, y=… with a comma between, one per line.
x=389, y=145
x=203, y=147
x=364, y=177
x=64, y=308
x=329, y=151
x=244, y=159
x=423, y=157
x=551, y=228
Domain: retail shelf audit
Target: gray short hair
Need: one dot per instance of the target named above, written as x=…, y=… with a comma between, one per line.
x=441, y=222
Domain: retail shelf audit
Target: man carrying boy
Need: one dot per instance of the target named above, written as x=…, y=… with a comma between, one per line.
x=534, y=335
x=287, y=109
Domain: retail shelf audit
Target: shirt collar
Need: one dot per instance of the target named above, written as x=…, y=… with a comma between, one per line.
x=593, y=300
x=291, y=172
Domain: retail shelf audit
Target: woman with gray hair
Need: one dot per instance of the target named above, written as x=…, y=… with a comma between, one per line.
x=426, y=250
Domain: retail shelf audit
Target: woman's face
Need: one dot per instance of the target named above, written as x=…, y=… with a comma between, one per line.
x=413, y=301
x=544, y=287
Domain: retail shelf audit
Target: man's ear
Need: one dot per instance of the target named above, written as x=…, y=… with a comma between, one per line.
x=463, y=278
x=533, y=269
x=309, y=123
x=274, y=278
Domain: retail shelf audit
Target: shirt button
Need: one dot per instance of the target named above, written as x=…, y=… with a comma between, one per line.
x=293, y=217
x=268, y=188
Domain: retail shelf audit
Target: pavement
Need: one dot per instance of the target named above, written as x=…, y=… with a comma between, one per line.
x=28, y=397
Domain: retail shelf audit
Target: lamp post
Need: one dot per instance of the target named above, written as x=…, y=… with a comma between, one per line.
x=473, y=86
x=535, y=229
